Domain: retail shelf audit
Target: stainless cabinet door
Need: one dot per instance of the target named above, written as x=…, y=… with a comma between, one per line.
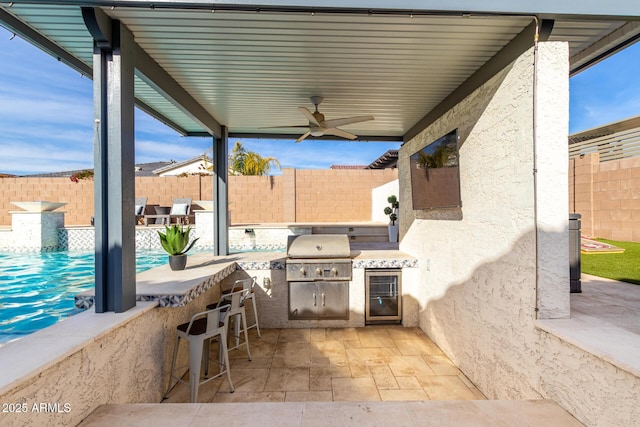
x=303, y=300
x=333, y=300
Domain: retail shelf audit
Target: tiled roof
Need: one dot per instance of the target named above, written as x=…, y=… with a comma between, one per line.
x=149, y=169
x=64, y=174
x=141, y=169
x=174, y=165
x=386, y=161
x=347, y=167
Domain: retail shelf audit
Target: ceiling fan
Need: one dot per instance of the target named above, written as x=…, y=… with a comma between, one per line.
x=318, y=126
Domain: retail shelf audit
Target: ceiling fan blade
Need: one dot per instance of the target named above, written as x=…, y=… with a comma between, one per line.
x=309, y=115
x=303, y=137
x=340, y=133
x=346, y=121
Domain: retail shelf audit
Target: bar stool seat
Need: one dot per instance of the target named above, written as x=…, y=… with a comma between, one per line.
x=199, y=331
x=234, y=303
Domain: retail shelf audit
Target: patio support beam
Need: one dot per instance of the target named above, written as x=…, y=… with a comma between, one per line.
x=220, y=194
x=499, y=61
x=115, y=287
x=157, y=78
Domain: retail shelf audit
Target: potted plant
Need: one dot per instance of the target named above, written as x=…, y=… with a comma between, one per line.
x=174, y=241
x=392, y=211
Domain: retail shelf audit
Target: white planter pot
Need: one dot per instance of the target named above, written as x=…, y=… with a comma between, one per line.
x=393, y=233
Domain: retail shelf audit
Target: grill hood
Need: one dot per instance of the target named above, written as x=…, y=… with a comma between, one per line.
x=318, y=246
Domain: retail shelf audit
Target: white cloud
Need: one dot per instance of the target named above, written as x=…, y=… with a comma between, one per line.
x=157, y=150
x=18, y=158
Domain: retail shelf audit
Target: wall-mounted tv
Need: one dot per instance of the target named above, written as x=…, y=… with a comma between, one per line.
x=435, y=174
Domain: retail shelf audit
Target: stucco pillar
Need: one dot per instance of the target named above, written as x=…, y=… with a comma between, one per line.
x=551, y=132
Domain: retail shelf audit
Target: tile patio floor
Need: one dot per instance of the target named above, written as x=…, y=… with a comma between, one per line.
x=374, y=363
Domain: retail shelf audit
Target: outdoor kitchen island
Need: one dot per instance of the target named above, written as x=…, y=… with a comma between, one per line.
x=208, y=274
x=272, y=296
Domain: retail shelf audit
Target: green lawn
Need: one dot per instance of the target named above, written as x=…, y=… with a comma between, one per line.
x=624, y=267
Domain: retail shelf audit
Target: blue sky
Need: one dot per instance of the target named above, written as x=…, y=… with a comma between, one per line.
x=46, y=117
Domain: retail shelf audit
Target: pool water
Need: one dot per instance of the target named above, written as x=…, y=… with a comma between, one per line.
x=37, y=289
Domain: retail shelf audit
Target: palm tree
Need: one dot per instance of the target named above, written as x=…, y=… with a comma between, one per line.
x=243, y=162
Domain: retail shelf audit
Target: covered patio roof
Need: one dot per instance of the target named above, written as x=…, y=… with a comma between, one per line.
x=249, y=65
x=234, y=69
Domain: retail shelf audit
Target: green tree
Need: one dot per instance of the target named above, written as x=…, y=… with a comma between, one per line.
x=243, y=162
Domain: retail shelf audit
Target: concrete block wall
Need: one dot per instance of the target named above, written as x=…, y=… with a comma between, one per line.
x=607, y=195
x=337, y=195
x=78, y=197
x=296, y=196
x=255, y=199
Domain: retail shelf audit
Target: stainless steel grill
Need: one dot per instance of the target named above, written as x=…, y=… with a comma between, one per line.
x=318, y=273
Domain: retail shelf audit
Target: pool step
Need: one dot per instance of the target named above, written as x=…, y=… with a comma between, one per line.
x=356, y=233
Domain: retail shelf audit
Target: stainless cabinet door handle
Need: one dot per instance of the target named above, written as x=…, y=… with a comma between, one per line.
x=323, y=299
x=314, y=300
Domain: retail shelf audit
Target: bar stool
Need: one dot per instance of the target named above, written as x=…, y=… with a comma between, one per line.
x=200, y=330
x=234, y=304
x=249, y=284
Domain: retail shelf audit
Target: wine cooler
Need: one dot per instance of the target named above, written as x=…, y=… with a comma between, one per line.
x=383, y=295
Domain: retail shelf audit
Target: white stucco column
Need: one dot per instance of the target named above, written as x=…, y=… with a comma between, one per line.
x=552, y=194
x=205, y=229
x=36, y=231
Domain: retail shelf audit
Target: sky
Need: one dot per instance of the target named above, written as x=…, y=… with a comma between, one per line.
x=46, y=117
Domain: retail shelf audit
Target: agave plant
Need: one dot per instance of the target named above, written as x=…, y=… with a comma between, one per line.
x=176, y=239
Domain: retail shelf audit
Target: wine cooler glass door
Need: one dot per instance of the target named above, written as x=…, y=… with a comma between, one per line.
x=383, y=296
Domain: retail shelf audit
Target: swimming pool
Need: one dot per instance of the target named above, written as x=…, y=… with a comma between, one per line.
x=37, y=289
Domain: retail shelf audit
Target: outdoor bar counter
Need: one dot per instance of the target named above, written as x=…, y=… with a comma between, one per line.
x=178, y=288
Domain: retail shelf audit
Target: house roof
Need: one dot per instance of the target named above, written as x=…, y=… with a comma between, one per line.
x=247, y=66
x=347, y=167
x=149, y=169
x=62, y=174
x=387, y=160
x=175, y=165
x=605, y=130
x=612, y=141
x=141, y=169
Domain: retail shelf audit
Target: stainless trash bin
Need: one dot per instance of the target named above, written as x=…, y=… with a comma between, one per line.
x=574, y=253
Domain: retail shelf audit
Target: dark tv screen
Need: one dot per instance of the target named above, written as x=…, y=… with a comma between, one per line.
x=435, y=174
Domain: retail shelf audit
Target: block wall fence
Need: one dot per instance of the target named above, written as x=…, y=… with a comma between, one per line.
x=327, y=195
x=607, y=195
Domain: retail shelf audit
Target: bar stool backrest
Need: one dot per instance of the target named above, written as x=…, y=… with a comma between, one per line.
x=247, y=284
